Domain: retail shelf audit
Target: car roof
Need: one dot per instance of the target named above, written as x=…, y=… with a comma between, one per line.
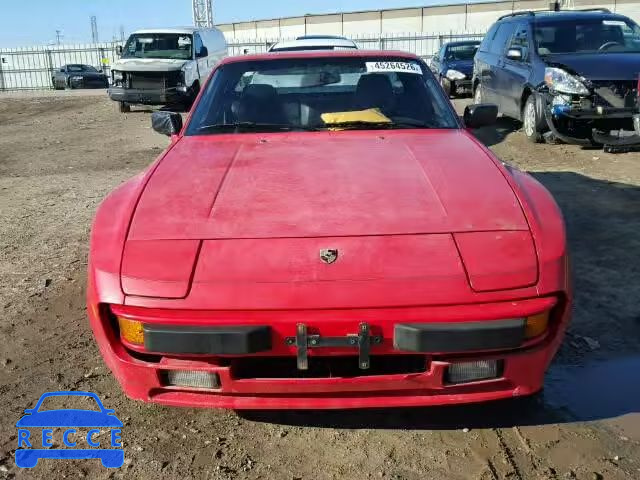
x=563, y=15
x=320, y=54
x=178, y=30
x=312, y=37
x=315, y=42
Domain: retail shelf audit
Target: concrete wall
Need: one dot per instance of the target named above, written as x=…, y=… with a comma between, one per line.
x=473, y=18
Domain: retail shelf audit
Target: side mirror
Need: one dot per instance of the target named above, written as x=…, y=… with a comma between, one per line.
x=480, y=115
x=515, y=53
x=166, y=123
x=204, y=52
x=119, y=50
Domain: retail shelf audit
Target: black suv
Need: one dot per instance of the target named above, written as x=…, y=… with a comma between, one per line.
x=570, y=75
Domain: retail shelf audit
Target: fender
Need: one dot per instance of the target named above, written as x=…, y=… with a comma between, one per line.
x=109, y=233
x=191, y=73
x=547, y=228
x=545, y=222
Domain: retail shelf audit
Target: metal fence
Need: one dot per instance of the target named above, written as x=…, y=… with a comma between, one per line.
x=33, y=68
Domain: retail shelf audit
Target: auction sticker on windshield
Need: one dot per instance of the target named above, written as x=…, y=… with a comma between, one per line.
x=398, y=67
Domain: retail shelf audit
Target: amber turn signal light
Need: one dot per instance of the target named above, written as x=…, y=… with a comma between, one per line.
x=131, y=330
x=536, y=324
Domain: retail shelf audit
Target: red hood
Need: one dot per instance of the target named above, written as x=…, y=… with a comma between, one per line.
x=229, y=218
x=325, y=185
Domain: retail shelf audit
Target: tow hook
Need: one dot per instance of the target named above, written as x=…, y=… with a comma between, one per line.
x=361, y=341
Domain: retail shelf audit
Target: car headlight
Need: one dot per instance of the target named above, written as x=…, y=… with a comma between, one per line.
x=118, y=76
x=77, y=78
x=455, y=75
x=560, y=81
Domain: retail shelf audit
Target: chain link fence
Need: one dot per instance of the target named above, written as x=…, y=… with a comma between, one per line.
x=33, y=68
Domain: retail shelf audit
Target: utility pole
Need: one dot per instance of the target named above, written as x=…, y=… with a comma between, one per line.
x=94, y=29
x=203, y=13
x=122, y=39
x=58, y=36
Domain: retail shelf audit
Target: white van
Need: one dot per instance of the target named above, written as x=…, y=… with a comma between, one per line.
x=165, y=66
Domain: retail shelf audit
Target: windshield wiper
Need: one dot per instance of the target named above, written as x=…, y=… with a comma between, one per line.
x=252, y=126
x=359, y=124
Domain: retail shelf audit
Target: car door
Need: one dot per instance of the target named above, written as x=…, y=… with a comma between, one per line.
x=516, y=71
x=482, y=63
x=497, y=79
x=202, y=57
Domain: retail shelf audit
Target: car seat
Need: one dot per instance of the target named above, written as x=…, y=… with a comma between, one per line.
x=260, y=103
x=375, y=91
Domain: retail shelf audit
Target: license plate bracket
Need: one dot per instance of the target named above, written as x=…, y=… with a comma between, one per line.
x=361, y=341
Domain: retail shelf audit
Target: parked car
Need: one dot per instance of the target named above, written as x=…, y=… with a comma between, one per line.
x=79, y=76
x=314, y=42
x=573, y=74
x=453, y=66
x=342, y=241
x=165, y=66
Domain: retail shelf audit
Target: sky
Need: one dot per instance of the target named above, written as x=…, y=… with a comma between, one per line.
x=34, y=22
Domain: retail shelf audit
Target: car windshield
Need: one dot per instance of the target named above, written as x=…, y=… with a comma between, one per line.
x=81, y=68
x=330, y=93
x=159, y=45
x=461, y=52
x=587, y=36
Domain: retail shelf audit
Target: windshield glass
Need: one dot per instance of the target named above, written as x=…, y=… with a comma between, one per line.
x=587, y=36
x=319, y=94
x=80, y=68
x=159, y=45
x=462, y=52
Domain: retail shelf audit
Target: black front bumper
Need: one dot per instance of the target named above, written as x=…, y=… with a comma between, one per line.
x=594, y=125
x=461, y=86
x=459, y=337
x=231, y=340
x=89, y=83
x=445, y=337
x=146, y=96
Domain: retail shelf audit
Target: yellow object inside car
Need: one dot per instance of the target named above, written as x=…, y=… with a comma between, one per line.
x=372, y=115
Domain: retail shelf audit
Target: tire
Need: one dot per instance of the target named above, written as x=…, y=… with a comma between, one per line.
x=124, y=107
x=531, y=121
x=477, y=95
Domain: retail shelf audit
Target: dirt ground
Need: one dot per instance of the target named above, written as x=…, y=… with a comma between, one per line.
x=61, y=154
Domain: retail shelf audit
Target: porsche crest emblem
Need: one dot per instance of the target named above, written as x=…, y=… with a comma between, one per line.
x=329, y=255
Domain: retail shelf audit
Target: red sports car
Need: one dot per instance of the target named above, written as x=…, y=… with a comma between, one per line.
x=324, y=232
